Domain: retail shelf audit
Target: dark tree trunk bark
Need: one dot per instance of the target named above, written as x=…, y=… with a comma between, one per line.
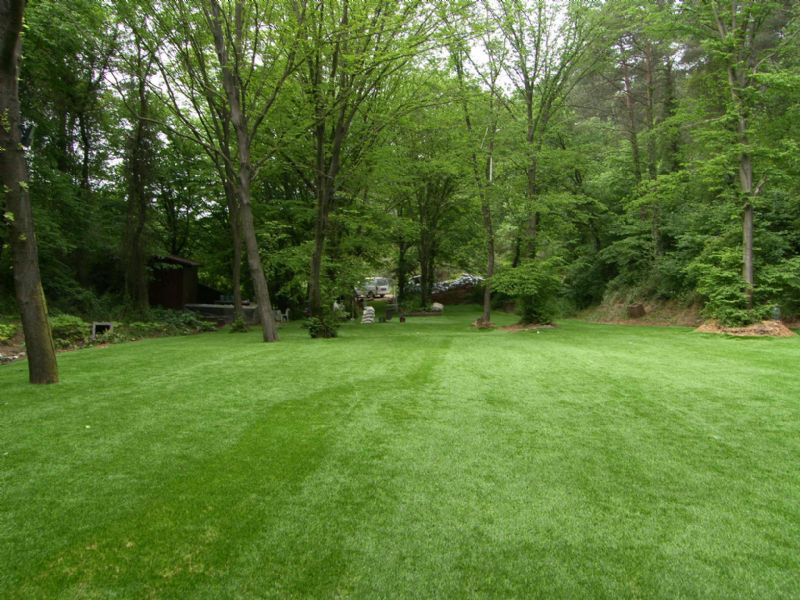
x=320, y=234
x=630, y=113
x=515, y=262
x=426, y=265
x=528, y=247
x=139, y=177
x=670, y=107
x=650, y=108
x=327, y=165
x=402, y=270
x=42, y=367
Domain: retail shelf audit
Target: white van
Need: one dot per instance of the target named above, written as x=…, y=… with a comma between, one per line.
x=374, y=287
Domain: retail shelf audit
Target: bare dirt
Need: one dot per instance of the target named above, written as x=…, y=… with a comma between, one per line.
x=762, y=329
x=655, y=313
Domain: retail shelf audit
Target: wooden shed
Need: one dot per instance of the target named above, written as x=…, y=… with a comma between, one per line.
x=173, y=282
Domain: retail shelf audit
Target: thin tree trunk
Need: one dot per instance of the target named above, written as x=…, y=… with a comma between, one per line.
x=483, y=186
x=402, y=270
x=320, y=234
x=630, y=112
x=670, y=107
x=515, y=262
x=426, y=262
x=746, y=182
x=746, y=187
x=649, y=109
x=233, y=91
x=327, y=165
x=139, y=176
x=42, y=366
x=236, y=237
x=738, y=81
x=528, y=249
x=488, y=227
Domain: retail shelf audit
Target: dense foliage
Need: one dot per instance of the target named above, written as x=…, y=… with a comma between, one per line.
x=633, y=144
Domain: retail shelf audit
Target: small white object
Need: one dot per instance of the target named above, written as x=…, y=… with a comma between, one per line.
x=437, y=307
x=368, y=317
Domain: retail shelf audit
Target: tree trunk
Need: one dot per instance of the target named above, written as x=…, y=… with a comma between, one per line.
x=236, y=237
x=426, y=263
x=327, y=166
x=746, y=186
x=630, y=111
x=488, y=227
x=670, y=107
x=746, y=181
x=320, y=233
x=402, y=270
x=42, y=367
x=139, y=176
x=233, y=90
x=483, y=185
x=649, y=108
x=531, y=228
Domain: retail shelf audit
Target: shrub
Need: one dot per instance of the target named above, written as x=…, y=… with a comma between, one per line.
x=160, y=322
x=140, y=329
x=7, y=331
x=178, y=322
x=69, y=331
x=719, y=281
x=325, y=326
x=239, y=326
x=537, y=284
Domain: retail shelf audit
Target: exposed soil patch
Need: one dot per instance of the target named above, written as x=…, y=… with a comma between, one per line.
x=652, y=313
x=763, y=329
x=478, y=324
x=527, y=327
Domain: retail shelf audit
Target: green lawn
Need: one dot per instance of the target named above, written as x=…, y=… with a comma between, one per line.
x=417, y=460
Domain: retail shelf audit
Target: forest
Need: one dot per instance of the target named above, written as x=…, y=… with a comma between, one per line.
x=567, y=151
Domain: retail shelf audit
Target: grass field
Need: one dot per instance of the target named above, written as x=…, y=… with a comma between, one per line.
x=417, y=460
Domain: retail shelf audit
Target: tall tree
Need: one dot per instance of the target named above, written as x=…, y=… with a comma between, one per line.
x=140, y=175
x=547, y=45
x=482, y=151
x=42, y=367
x=741, y=37
x=223, y=66
x=356, y=51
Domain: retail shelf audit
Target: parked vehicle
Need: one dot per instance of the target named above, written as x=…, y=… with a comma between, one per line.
x=374, y=287
x=466, y=280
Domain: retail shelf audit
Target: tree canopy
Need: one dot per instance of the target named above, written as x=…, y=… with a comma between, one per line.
x=567, y=151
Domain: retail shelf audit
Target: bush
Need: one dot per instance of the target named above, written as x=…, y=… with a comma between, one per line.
x=322, y=327
x=239, y=326
x=141, y=329
x=178, y=322
x=537, y=284
x=69, y=331
x=720, y=283
x=7, y=331
x=160, y=322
